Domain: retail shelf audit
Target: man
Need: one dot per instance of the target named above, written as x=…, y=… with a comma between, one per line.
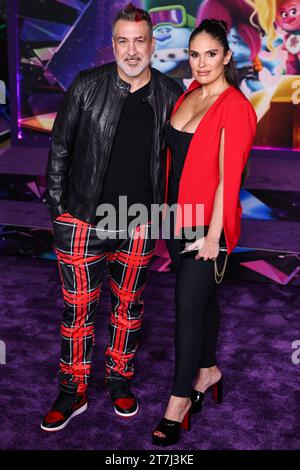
x=106, y=142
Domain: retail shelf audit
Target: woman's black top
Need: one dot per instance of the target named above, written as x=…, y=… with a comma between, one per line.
x=179, y=142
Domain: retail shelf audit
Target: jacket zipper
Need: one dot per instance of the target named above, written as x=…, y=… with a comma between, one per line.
x=152, y=151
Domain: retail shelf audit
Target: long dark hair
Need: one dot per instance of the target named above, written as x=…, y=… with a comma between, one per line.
x=218, y=30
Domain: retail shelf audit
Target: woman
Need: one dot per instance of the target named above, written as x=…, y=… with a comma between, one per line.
x=210, y=135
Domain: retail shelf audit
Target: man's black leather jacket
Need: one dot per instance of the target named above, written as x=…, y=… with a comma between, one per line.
x=83, y=134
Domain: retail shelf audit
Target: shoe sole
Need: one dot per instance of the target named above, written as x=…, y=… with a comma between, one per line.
x=76, y=413
x=127, y=415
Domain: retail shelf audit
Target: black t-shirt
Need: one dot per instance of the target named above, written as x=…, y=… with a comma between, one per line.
x=128, y=172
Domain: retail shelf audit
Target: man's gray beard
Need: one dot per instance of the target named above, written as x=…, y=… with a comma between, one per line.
x=139, y=69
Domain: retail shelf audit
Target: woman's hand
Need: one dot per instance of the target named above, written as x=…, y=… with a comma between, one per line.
x=208, y=248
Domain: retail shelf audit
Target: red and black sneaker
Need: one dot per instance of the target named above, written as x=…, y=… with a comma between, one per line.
x=66, y=406
x=125, y=403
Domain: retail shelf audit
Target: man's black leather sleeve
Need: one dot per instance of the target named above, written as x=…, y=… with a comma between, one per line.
x=60, y=153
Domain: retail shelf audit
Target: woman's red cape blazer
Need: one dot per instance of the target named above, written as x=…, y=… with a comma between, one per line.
x=200, y=175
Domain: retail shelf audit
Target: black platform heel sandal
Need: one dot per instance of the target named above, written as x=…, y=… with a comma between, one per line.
x=197, y=398
x=171, y=430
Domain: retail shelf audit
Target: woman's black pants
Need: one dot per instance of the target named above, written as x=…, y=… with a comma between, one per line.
x=197, y=317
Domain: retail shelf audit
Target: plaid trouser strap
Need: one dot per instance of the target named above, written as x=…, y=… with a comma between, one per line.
x=82, y=257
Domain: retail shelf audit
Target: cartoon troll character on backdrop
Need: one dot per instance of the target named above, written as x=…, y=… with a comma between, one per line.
x=288, y=18
x=173, y=23
x=250, y=30
x=286, y=14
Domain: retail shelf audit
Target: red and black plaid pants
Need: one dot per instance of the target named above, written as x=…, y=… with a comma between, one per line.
x=82, y=259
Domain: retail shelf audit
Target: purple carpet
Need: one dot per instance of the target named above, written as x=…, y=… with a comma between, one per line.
x=261, y=408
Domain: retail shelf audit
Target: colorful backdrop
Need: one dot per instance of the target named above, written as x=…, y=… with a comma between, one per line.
x=55, y=39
